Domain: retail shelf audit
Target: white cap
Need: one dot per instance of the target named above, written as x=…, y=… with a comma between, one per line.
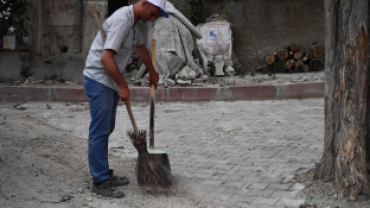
x=160, y=4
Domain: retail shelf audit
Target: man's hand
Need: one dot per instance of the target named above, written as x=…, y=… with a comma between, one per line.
x=124, y=94
x=153, y=79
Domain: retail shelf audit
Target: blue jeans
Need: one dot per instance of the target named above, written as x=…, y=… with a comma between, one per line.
x=103, y=104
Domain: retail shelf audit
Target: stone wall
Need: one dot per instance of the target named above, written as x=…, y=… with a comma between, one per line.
x=62, y=32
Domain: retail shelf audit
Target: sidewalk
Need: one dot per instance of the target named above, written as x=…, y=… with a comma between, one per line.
x=223, y=154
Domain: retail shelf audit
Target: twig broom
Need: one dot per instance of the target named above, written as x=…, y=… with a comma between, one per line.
x=149, y=171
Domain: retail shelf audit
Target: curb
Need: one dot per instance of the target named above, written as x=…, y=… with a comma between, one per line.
x=230, y=93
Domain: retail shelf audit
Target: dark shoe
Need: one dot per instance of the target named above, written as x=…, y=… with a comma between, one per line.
x=106, y=189
x=118, y=181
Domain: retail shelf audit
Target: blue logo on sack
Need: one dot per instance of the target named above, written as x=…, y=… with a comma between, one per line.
x=212, y=34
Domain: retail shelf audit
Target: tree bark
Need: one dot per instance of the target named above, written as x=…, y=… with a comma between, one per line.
x=345, y=160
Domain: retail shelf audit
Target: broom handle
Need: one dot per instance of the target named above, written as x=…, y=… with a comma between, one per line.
x=152, y=97
x=98, y=21
x=104, y=38
x=132, y=120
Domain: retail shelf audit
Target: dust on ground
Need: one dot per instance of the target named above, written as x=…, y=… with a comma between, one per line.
x=42, y=166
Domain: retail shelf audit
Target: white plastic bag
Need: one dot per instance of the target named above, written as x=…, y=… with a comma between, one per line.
x=217, y=40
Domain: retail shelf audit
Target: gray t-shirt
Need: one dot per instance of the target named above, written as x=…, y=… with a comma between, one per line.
x=121, y=36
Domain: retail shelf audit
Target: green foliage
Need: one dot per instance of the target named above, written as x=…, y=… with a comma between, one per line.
x=227, y=8
x=12, y=14
x=197, y=8
x=85, y=205
x=25, y=71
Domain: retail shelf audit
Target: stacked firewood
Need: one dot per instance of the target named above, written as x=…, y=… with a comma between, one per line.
x=295, y=59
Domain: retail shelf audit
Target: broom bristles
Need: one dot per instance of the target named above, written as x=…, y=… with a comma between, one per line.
x=149, y=171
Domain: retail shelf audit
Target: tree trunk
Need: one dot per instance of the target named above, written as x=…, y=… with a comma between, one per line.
x=345, y=160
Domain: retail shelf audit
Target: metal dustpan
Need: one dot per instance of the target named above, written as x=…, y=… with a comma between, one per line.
x=157, y=152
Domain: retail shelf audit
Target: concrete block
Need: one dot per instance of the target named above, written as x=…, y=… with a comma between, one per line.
x=23, y=94
x=219, y=69
x=198, y=81
x=183, y=83
x=170, y=82
x=305, y=90
x=69, y=94
x=260, y=92
x=193, y=93
x=192, y=75
x=143, y=94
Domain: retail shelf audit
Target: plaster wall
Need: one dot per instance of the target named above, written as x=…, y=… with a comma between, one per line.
x=62, y=31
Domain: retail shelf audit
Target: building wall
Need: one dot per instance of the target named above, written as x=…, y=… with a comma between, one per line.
x=63, y=30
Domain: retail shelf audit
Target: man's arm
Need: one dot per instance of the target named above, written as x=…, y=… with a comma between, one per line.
x=110, y=65
x=144, y=56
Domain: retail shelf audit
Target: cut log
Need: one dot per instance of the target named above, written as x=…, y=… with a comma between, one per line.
x=270, y=59
x=316, y=64
x=304, y=58
x=289, y=64
x=309, y=55
x=306, y=68
x=317, y=50
x=298, y=54
x=294, y=47
x=283, y=54
x=291, y=53
x=298, y=63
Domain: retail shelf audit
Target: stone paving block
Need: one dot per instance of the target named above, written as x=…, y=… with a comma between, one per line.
x=290, y=202
x=211, y=182
x=297, y=186
x=260, y=186
x=219, y=196
x=242, y=198
x=280, y=186
x=285, y=193
x=271, y=201
x=255, y=179
x=238, y=184
x=258, y=192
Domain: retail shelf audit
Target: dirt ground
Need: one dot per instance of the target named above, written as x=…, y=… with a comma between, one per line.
x=319, y=194
x=46, y=166
x=42, y=166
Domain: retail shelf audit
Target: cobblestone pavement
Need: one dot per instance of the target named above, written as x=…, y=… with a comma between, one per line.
x=224, y=154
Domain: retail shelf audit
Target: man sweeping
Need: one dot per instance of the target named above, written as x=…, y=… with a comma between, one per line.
x=105, y=86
